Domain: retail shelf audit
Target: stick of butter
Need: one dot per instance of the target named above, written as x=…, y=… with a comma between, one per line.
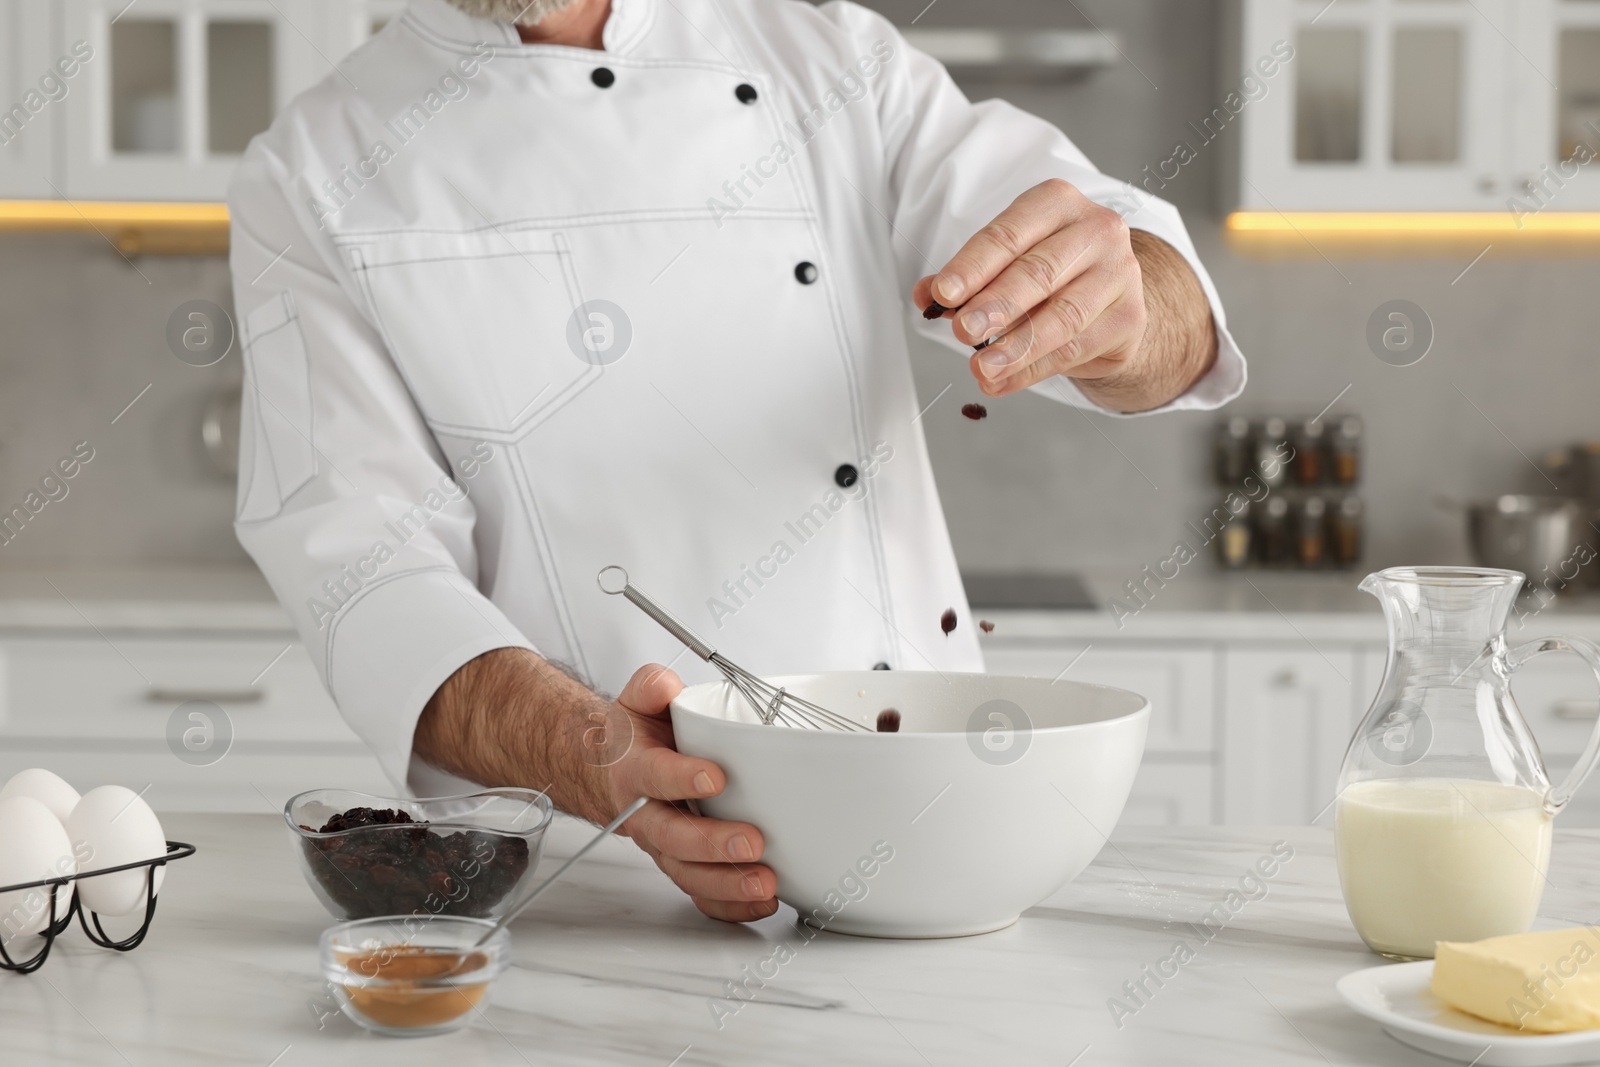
x=1545, y=982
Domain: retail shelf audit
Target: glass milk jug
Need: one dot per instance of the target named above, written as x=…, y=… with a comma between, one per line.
x=1442, y=816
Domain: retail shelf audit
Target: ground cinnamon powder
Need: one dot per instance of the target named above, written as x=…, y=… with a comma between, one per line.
x=407, y=999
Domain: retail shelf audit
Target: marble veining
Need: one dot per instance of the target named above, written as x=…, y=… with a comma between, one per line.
x=615, y=967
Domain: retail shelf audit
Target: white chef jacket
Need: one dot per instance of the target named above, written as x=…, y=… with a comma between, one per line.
x=512, y=313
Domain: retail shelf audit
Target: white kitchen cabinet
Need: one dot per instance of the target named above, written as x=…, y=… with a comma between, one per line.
x=1288, y=713
x=352, y=22
x=1418, y=105
x=32, y=90
x=173, y=92
x=1170, y=793
x=120, y=708
x=1385, y=105
x=1179, y=680
x=1557, y=92
x=177, y=88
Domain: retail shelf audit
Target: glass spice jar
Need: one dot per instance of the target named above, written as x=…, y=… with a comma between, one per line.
x=1232, y=451
x=1234, y=541
x=1272, y=451
x=1346, y=451
x=1308, y=453
x=1311, y=535
x=1347, y=523
x=1272, y=533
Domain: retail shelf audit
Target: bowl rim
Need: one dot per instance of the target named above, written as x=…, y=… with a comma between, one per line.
x=538, y=797
x=497, y=951
x=1143, y=707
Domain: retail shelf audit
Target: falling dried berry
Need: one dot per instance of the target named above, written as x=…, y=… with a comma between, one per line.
x=888, y=721
x=947, y=621
x=975, y=411
x=934, y=310
x=986, y=626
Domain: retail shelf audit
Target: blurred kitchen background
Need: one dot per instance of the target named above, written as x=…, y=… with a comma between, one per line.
x=1481, y=93
x=1039, y=487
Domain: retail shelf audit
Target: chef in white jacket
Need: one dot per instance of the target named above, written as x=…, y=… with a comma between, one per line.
x=528, y=291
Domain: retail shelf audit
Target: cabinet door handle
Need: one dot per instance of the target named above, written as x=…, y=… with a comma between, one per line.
x=157, y=694
x=1583, y=710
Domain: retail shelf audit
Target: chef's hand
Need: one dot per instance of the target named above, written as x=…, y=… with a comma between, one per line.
x=711, y=860
x=1058, y=284
x=510, y=717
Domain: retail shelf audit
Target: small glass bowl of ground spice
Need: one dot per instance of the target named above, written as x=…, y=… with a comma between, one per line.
x=411, y=976
x=471, y=856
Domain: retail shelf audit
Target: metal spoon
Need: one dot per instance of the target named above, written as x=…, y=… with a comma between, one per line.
x=610, y=828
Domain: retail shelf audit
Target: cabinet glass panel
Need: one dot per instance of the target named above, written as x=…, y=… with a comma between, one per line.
x=1578, y=105
x=1427, y=94
x=1331, y=65
x=144, y=85
x=239, y=89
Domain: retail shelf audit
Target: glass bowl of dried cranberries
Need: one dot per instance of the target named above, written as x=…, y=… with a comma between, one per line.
x=471, y=856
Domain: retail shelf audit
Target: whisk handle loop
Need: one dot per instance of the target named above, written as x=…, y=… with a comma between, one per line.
x=609, y=579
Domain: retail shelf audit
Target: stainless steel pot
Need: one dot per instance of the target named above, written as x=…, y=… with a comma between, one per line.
x=1539, y=536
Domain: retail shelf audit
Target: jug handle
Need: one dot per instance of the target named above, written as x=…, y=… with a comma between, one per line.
x=1590, y=654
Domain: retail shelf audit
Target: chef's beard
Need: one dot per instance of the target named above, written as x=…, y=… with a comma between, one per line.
x=522, y=12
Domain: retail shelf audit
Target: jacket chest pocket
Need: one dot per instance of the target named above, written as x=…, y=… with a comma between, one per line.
x=485, y=327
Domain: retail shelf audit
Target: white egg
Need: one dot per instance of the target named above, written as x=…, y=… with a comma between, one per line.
x=111, y=826
x=33, y=846
x=47, y=787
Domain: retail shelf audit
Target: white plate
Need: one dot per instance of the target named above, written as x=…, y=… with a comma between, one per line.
x=1398, y=999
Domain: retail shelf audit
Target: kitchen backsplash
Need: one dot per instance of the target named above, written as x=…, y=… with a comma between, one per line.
x=1035, y=485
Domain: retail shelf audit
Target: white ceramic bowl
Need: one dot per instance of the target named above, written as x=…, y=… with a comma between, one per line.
x=996, y=792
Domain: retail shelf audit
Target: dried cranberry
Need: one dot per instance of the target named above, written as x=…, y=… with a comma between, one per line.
x=974, y=411
x=934, y=310
x=947, y=621
x=888, y=721
x=384, y=869
x=986, y=626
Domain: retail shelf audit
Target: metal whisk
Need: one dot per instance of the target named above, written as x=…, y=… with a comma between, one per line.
x=772, y=703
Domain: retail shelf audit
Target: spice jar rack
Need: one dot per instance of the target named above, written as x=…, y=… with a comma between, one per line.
x=52, y=888
x=1288, y=493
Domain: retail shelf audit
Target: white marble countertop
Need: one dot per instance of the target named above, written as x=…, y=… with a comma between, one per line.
x=1208, y=605
x=615, y=967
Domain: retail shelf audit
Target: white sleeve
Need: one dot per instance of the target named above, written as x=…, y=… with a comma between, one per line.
x=954, y=165
x=334, y=462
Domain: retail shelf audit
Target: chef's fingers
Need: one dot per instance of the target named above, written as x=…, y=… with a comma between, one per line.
x=719, y=881
x=1096, y=246
x=1035, y=215
x=650, y=690
x=1100, y=350
x=753, y=889
x=665, y=828
x=736, y=911
x=922, y=296
x=660, y=773
x=1055, y=322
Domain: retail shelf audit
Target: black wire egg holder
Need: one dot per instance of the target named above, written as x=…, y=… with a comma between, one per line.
x=176, y=850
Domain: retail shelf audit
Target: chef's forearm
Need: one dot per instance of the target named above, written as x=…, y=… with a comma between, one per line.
x=509, y=717
x=1180, y=341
